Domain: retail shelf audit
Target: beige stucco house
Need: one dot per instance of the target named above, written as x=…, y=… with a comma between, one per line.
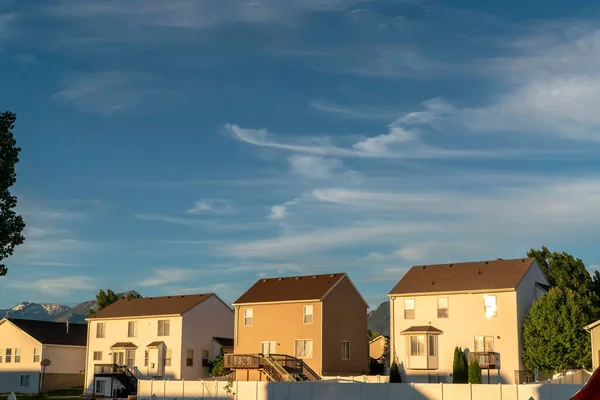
x=300, y=327
x=25, y=343
x=594, y=330
x=478, y=306
x=171, y=337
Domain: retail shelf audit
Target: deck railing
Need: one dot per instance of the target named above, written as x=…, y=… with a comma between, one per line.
x=486, y=359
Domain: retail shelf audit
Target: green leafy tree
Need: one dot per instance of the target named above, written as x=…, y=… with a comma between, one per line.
x=459, y=367
x=105, y=299
x=395, y=374
x=562, y=269
x=373, y=334
x=11, y=224
x=216, y=367
x=475, y=372
x=553, y=334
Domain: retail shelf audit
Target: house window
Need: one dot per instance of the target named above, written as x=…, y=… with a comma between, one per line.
x=248, y=316
x=97, y=356
x=409, y=309
x=189, y=358
x=146, y=356
x=432, y=346
x=8, y=355
x=1, y=355
x=100, y=386
x=442, y=307
x=17, y=355
x=308, y=314
x=205, y=358
x=484, y=344
x=163, y=327
x=303, y=348
x=130, y=358
x=36, y=355
x=490, y=305
x=417, y=345
x=168, y=355
x=132, y=329
x=24, y=381
x=100, y=330
x=345, y=350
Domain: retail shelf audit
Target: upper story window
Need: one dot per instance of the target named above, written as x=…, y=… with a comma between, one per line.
x=8, y=357
x=132, y=329
x=100, y=330
x=164, y=326
x=248, y=316
x=409, y=309
x=17, y=355
x=490, y=305
x=442, y=307
x=36, y=355
x=308, y=314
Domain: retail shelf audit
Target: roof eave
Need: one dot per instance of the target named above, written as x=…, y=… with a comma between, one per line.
x=592, y=325
x=276, y=302
x=132, y=316
x=509, y=289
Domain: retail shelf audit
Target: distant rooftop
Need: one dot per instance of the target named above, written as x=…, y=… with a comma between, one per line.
x=458, y=277
x=149, y=306
x=292, y=288
x=47, y=332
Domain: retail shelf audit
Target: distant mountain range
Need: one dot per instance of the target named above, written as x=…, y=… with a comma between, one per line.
x=51, y=311
x=378, y=320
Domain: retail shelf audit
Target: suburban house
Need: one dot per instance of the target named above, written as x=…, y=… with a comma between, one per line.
x=594, y=330
x=40, y=356
x=171, y=337
x=477, y=306
x=300, y=328
x=379, y=350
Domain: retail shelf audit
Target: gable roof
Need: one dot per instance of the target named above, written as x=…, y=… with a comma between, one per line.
x=292, y=288
x=150, y=306
x=459, y=277
x=47, y=332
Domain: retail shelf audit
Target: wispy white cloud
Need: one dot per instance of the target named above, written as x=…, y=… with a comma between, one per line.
x=58, y=287
x=313, y=166
x=279, y=212
x=210, y=224
x=104, y=93
x=165, y=276
x=353, y=112
x=216, y=206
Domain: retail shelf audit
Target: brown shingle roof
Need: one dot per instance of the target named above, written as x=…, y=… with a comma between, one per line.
x=422, y=329
x=47, y=332
x=481, y=275
x=149, y=306
x=293, y=288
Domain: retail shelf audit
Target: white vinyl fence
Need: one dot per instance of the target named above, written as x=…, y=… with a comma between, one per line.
x=332, y=390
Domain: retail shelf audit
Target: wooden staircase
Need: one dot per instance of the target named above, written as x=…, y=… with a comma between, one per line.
x=277, y=367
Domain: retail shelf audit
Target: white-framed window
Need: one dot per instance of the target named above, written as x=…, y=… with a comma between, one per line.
x=490, y=305
x=146, y=357
x=303, y=348
x=8, y=357
x=484, y=344
x=97, y=356
x=189, y=358
x=130, y=357
x=442, y=307
x=417, y=345
x=100, y=386
x=248, y=316
x=409, y=309
x=432, y=345
x=1, y=354
x=164, y=327
x=24, y=381
x=268, y=347
x=132, y=329
x=17, y=355
x=100, y=330
x=36, y=355
x=308, y=314
x=168, y=356
x=345, y=350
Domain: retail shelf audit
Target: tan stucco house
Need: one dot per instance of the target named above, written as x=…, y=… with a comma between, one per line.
x=25, y=343
x=171, y=337
x=478, y=306
x=594, y=330
x=300, y=327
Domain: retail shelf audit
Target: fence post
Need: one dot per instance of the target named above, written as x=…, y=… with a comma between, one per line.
x=183, y=389
x=471, y=391
x=203, y=388
x=164, y=390
x=151, y=388
x=500, y=387
x=412, y=384
x=442, y=389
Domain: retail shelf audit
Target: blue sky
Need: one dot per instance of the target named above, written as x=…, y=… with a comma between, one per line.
x=192, y=146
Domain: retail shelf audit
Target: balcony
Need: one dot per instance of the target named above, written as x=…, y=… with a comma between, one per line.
x=244, y=361
x=486, y=359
